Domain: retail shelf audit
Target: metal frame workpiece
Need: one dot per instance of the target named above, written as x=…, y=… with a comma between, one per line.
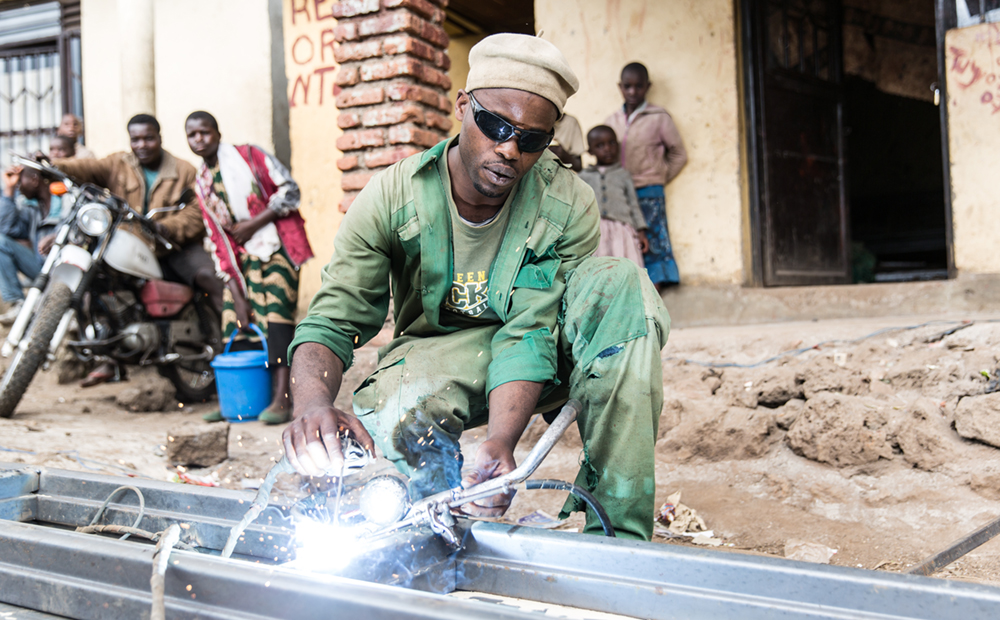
x=45, y=566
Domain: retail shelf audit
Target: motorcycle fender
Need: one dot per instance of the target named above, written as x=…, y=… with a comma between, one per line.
x=72, y=264
x=76, y=256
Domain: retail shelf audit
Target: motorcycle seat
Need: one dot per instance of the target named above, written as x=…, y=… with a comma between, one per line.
x=165, y=299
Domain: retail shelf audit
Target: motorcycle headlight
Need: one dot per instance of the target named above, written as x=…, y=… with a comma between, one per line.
x=94, y=219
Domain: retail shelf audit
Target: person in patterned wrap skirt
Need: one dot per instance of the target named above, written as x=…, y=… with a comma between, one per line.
x=250, y=202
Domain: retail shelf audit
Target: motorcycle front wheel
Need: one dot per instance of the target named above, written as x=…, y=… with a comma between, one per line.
x=26, y=361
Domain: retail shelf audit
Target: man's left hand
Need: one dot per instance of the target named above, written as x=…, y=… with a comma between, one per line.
x=162, y=231
x=493, y=459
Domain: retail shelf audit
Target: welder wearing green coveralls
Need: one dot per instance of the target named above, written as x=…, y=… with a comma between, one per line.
x=500, y=312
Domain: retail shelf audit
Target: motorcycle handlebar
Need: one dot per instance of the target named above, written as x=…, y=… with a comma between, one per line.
x=41, y=166
x=149, y=225
x=48, y=169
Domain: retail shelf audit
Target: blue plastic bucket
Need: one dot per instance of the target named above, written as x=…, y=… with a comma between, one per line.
x=242, y=381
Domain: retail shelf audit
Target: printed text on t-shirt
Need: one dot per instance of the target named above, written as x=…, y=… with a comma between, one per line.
x=469, y=293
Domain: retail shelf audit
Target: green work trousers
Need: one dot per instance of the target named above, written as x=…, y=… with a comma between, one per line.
x=426, y=391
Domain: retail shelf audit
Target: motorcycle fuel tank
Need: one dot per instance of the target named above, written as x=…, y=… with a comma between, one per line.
x=130, y=254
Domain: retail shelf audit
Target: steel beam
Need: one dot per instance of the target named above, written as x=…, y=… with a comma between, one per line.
x=22, y=508
x=20, y=613
x=14, y=482
x=47, y=568
x=416, y=559
x=90, y=577
x=17, y=494
x=672, y=582
x=957, y=549
x=72, y=499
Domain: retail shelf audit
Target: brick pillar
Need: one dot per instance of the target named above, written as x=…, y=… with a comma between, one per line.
x=392, y=87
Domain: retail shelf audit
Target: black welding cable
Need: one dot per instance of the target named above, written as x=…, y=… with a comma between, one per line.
x=584, y=494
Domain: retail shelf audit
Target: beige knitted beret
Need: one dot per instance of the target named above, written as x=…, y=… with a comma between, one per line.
x=522, y=62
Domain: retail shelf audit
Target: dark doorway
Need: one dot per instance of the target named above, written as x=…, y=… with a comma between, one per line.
x=479, y=17
x=891, y=224
x=897, y=185
x=893, y=127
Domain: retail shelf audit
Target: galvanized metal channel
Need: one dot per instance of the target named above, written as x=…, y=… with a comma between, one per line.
x=47, y=568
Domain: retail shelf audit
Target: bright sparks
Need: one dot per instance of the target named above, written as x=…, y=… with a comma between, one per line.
x=324, y=547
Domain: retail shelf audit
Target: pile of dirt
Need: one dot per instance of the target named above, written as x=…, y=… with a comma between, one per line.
x=717, y=434
x=909, y=396
x=978, y=417
x=904, y=421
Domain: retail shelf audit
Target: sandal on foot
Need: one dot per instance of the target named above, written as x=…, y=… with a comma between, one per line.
x=269, y=416
x=97, y=377
x=213, y=416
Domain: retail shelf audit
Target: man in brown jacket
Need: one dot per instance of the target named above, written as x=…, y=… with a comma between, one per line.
x=149, y=178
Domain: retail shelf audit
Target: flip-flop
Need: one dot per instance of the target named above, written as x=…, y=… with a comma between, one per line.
x=96, y=378
x=274, y=417
x=213, y=416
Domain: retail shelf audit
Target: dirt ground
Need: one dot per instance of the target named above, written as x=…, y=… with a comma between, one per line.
x=883, y=447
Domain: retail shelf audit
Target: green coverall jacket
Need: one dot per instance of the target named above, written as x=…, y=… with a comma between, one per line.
x=587, y=328
x=400, y=226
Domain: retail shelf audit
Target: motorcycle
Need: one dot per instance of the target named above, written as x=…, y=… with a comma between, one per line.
x=103, y=275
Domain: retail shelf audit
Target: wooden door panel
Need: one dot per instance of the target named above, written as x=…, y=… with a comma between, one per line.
x=803, y=122
x=802, y=202
x=799, y=36
x=807, y=218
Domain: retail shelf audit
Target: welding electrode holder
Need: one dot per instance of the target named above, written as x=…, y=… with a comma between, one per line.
x=355, y=458
x=436, y=509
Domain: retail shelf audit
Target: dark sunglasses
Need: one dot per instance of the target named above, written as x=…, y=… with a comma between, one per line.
x=499, y=129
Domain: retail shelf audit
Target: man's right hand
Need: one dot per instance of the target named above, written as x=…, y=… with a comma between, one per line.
x=312, y=440
x=493, y=459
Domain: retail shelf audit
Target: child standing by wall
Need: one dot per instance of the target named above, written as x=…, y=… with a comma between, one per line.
x=622, y=223
x=653, y=153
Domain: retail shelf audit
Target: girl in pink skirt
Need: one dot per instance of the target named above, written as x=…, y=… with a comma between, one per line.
x=623, y=227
